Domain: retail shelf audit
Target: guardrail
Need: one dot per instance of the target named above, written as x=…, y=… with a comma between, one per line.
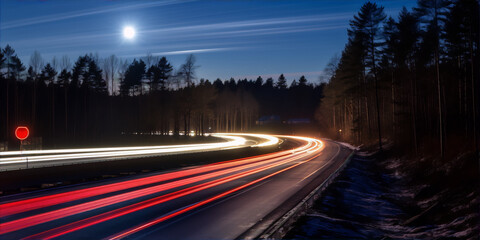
x=284, y=224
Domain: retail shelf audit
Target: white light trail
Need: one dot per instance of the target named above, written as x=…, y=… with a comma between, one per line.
x=50, y=156
x=271, y=140
x=82, y=150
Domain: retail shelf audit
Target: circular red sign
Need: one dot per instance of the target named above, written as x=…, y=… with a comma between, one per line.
x=22, y=133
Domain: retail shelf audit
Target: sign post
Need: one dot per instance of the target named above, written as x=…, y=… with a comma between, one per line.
x=22, y=133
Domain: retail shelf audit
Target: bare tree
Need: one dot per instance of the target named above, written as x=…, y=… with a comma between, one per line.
x=122, y=68
x=187, y=70
x=95, y=57
x=106, y=70
x=112, y=64
x=65, y=63
x=55, y=63
x=331, y=67
x=175, y=80
x=36, y=62
x=150, y=60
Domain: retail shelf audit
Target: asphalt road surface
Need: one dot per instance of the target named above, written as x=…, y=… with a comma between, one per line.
x=216, y=201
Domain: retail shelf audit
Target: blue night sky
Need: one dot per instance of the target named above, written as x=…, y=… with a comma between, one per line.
x=229, y=38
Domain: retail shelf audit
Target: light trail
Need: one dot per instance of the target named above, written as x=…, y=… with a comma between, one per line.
x=38, y=156
x=201, y=203
x=182, y=182
x=88, y=206
x=82, y=150
x=271, y=140
x=50, y=200
x=151, y=202
x=148, y=203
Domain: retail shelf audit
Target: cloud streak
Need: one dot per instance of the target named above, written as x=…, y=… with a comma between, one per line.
x=225, y=30
x=82, y=13
x=253, y=23
x=179, y=52
x=192, y=51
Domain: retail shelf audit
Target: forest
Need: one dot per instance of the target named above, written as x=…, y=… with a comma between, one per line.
x=413, y=79
x=94, y=97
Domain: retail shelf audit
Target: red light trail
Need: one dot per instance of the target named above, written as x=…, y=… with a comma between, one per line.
x=50, y=200
x=182, y=182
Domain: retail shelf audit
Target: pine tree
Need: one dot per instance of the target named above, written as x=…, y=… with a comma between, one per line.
x=462, y=30
x=302, y=81
x=133, y=77
x=433, y=13
x=405, y=58
x=17, y=68
x=9, y=54
x=30, y=75
x=367, y=25
x=259, y=81
x=64, y=78
x=64, y=82
x=269, y=83
x=152, y=76
x=281, y=82
x=95, y=77
x=165, y=71
x=2, y=60
x=78, y=71
x=48, y=74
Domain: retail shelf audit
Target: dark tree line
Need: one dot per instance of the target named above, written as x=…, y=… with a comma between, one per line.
x=414, y=79
x=105, y=97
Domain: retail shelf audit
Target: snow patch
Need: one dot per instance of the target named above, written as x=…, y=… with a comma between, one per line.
x=367, y=204
x=429, y=201
x=365, y=154
x=347, y=145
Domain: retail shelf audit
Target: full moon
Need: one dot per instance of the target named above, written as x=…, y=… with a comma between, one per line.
x=128, y=32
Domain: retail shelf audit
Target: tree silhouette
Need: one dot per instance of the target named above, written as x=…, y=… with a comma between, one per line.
x=281, y=82
x=367, y=25
x=386, y=70
x=420, y=68
x=187, y=70
x=432, y=12
x=132, y=83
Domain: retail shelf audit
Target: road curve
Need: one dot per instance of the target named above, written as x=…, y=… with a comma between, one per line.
x=214, y=201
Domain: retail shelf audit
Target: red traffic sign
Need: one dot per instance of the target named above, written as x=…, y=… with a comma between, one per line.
x=22, y=133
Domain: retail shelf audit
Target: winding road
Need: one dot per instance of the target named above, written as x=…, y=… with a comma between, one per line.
x=224, y=200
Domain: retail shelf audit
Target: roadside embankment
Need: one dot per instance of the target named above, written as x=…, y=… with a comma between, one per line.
x=388, y=197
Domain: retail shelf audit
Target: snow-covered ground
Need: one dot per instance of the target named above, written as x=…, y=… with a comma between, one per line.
x=373, y=199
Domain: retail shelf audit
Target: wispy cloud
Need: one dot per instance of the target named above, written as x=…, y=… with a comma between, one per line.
x=214, y=31
x=179, y=52
x=270, y=31
x=191, y=51
x=254, y=23
x=82, y=13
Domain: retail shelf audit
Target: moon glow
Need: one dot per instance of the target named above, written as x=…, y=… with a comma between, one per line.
x=128, y=32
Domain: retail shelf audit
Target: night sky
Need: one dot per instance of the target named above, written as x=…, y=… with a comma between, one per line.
x=229, y=38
